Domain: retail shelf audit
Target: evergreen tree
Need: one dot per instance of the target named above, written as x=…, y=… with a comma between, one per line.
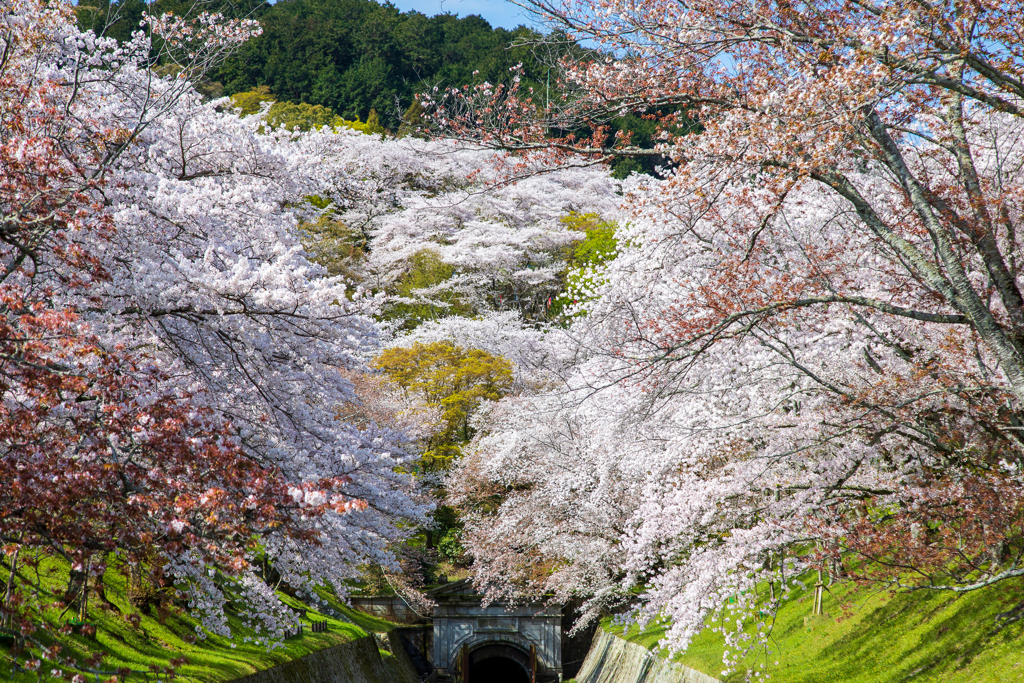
x=356, y=55
x=373, y=126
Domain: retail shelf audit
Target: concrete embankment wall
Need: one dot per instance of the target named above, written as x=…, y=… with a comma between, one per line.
x=614, y=660
x=390, y=607
x=358, y=661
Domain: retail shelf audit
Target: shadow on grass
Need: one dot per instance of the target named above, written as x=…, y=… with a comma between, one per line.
x=872, y=636
x=149, y=642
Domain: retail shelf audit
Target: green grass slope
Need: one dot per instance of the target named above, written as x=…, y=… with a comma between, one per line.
x=871, y=636
x=154, y=640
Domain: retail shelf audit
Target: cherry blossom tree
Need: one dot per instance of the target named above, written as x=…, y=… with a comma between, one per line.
x=437, y=226
x=501, y=245
x=173, y=366
x=810, y=339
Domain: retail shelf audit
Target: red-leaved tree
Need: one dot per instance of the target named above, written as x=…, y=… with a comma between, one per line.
x=176, y=420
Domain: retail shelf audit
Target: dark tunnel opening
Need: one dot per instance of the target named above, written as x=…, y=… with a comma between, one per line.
x=497, y=670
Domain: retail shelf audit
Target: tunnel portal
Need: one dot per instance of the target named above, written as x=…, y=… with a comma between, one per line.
x=496, y=643
x=498, y=663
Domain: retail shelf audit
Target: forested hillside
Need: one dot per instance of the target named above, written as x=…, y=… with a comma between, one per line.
x=357, y=56
x=350, y=55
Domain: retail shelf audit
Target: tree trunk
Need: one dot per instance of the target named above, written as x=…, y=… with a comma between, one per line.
x=83, y=602
x=9, y=593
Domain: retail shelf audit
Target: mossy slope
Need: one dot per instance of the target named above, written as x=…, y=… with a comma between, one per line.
x=872, y=636
x=149, y=642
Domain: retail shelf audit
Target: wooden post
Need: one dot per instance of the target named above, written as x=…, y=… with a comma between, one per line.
x=818, y=591
x=464, y=663
x=533, y=664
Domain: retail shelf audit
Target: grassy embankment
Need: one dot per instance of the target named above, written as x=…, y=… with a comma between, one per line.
x=167, y=634
x=870, y=636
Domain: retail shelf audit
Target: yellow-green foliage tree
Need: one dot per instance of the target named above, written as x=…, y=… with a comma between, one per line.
x=302, y=116
x=299, y=116
x=597, y=248
x=249, y=102
x=426, y=270
x=455, y=380
x=333, y=245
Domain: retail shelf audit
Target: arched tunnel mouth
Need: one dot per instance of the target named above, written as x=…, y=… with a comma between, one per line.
x=498, y=664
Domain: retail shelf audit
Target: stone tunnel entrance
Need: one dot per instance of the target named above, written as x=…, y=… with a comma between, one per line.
x=498, y=663
x=496, y=643
x=463, y=640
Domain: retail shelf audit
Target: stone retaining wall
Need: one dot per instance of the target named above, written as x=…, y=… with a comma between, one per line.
x=358, y=661
x=614, y=660
x=390, y=607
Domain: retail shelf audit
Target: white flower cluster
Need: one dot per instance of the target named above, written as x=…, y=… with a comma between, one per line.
x=200, y=273
x=748, y=371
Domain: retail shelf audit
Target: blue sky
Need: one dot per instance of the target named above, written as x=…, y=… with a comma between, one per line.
x=497, y=12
